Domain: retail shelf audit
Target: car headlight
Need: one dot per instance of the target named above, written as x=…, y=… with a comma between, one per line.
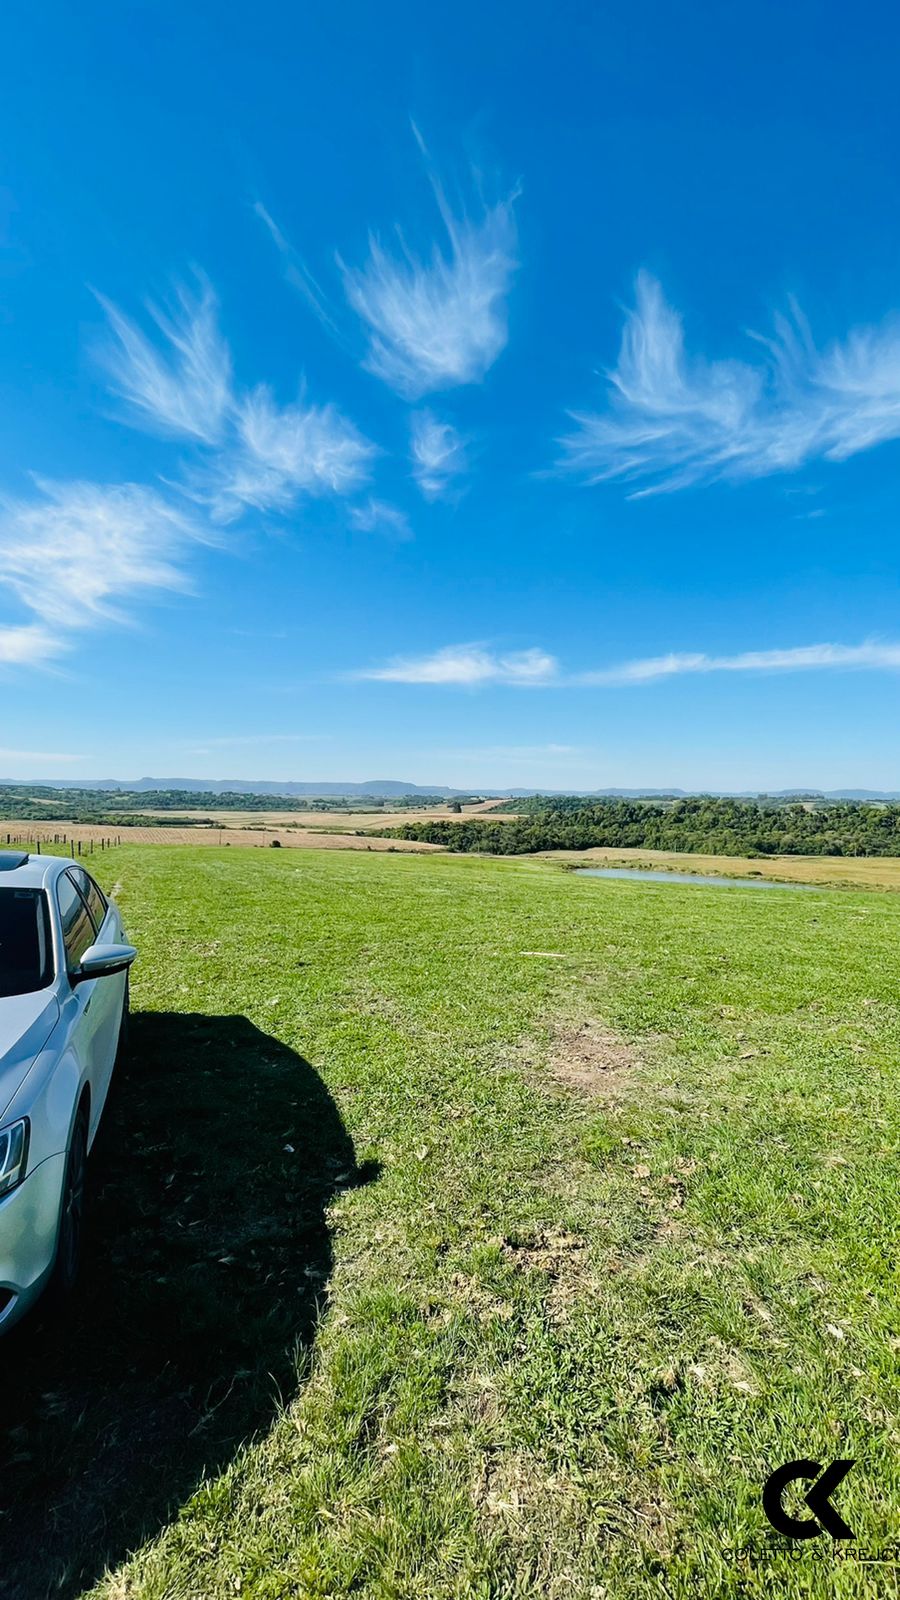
x=13, y=1154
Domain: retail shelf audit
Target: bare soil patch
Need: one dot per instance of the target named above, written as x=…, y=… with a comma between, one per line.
x=591, y=1058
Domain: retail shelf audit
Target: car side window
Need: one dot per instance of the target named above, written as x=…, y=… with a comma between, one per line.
x=92, y=893
x=77, y=927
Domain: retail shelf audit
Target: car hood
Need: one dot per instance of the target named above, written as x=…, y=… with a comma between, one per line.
x=26, y=1022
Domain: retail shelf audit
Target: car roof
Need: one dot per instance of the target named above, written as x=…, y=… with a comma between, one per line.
x=19, y=869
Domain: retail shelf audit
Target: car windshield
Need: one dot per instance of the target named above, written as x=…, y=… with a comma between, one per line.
x=24, y=941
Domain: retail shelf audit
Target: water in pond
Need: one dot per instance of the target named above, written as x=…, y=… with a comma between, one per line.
x=687, y=877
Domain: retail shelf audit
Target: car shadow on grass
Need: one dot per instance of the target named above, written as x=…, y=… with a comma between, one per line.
x=205, y=1272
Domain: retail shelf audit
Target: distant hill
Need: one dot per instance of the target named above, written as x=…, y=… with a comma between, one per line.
x=395, y=788
x=380, y=788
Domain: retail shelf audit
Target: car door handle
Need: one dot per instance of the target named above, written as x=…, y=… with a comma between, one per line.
x=87, y=1005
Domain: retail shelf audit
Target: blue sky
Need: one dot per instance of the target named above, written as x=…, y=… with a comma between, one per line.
x=476, y=395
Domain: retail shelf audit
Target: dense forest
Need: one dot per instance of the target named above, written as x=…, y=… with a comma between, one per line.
x=700, y=824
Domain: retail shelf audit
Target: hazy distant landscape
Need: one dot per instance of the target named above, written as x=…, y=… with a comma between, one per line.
x=768, y=825
x=144, y=803
x=785, y=838
x=395, y=789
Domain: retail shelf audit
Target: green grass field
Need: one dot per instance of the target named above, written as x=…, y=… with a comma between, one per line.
x=463, y=1228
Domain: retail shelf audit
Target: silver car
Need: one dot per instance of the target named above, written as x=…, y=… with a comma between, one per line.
x=63, y=1005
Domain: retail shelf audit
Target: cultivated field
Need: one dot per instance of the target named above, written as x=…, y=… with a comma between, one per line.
x=346, y=820
x=320, y=830
x=461, y=1228
x=296, y=838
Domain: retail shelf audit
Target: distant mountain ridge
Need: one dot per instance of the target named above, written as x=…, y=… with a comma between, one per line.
x=381, y=788
x=394, y=788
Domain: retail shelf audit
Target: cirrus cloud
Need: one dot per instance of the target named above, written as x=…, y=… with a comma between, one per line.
x=183, y=388
x=872, y=655
x=437, y=322
x=468, y=664
x=438, y=453
x=474, y=665
x=379, y=516
x=672, y=419
x=252, y=452
x=280, y=452
x=73, y=556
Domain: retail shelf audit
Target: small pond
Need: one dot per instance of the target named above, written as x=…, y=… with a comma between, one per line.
x=649, y=876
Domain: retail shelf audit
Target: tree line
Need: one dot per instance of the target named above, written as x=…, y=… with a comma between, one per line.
x=700, y=824
x=56, y=803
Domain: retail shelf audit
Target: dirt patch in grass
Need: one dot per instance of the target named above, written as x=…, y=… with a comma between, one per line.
x=591, y=1058
x=548, y=1250
x=562, y=1257
x=549, y=1524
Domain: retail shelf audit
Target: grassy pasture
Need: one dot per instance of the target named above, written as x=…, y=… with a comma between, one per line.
x=462, y=1228
x=317, y=833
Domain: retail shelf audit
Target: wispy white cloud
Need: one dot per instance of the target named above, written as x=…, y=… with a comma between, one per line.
x=296, y=272
x=437, y=323
x=27, y=645
x=181, y=387
x=379, y=516
x=672, y=419
x=255, y=454
x=800, y=658
x=275, y=453
x=472, y=664
x=71, y=558
x=39, y=757
x=469, y=664
x=438, y=453
x=531, y=754
x=240, y=741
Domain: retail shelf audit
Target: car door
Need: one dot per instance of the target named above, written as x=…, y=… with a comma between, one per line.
x=83, y=1018
x=109, y=993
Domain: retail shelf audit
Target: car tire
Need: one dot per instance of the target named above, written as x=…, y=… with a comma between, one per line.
x=71, y=1213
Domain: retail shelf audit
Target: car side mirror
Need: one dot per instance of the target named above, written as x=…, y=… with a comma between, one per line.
x=102, y=960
